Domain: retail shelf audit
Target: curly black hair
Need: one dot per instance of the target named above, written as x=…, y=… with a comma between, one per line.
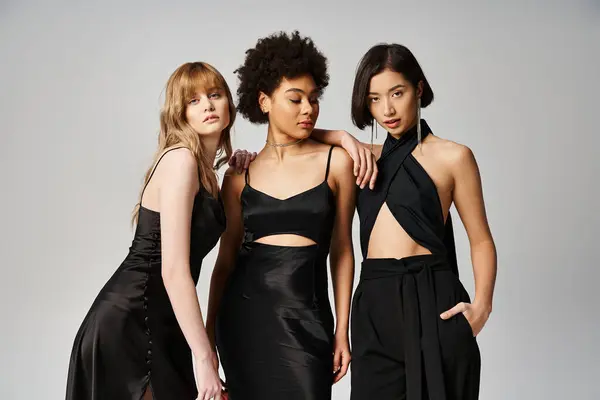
x=273, y=58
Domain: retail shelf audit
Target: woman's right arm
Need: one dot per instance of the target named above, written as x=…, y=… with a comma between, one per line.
x=231, y=240
x=178, y=187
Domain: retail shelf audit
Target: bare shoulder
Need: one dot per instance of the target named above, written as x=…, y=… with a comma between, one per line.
x=342, y=168
x=181, y=156
x=451, y=153
x=178, y=165
x=341, y=162
x=339, y=157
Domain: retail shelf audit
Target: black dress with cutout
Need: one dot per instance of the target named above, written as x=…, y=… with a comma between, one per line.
x=274, y=328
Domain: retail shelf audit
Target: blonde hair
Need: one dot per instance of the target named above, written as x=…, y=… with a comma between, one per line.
x=181, y=88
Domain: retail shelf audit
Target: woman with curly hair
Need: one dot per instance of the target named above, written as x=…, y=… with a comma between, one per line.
x=269, y=309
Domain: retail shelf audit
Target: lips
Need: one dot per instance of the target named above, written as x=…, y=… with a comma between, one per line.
x=392, y=123
x=211, y=117
x=307, y=123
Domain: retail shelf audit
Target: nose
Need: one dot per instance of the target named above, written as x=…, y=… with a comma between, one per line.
x=208, y=105
x=307, y=108
x=388, y=109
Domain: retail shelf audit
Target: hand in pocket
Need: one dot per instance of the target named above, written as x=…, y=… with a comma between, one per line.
x=475, y=315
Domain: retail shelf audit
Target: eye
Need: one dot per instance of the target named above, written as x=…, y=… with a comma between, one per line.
x=295, y=101
x=215, y=95
x=397, y=94
x=373, y=99
x=193, y=101
x=314, y=101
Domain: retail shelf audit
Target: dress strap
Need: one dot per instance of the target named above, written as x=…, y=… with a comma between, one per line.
x=328, y=162
x=154, y=169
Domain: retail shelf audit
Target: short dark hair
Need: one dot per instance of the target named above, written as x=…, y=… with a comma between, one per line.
x=273, y=58
x=383, y=56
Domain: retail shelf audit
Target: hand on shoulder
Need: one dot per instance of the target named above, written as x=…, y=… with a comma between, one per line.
x=341, y=167
x=233, y=182
x=341, y=161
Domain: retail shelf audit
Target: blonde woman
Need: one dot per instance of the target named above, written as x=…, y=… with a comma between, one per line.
x=135, y=341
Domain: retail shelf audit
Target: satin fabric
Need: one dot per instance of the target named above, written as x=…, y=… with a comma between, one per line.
x=130, y=339
x=275, y=326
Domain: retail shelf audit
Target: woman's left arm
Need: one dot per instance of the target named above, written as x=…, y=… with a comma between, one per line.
x=468, y=199
x=342, y=256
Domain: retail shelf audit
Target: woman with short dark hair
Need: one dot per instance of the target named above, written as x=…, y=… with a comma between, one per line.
x=413, y=324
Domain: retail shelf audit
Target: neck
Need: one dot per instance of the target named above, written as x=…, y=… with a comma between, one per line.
x=211, y=144
x=290, y=144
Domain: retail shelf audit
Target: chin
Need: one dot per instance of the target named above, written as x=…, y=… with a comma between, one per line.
x=397, y=131
x=302, y=134
x=209, y=129
x=216, y=130
x=403, y=127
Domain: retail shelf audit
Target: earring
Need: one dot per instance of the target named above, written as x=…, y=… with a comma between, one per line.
x=419, y=120
x=372, y=127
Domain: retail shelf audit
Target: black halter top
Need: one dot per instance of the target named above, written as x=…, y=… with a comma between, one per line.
x=411, y=196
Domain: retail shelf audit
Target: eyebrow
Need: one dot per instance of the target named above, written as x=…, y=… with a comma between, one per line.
x=316, y=91
x=392, y=89
x=208, y=91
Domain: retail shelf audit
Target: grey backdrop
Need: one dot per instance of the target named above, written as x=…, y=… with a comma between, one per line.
x=516, y=81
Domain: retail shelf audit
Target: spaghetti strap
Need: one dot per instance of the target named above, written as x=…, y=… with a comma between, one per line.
x=154, y=169
x=328, y=162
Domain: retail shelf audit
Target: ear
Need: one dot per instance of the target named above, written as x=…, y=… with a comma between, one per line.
x=264, y=102
x=420, y=89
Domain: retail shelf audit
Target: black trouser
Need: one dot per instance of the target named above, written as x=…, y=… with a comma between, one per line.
x=401, y=348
